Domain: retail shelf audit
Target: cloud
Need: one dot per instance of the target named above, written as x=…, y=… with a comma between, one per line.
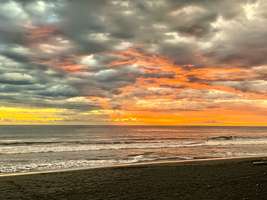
x=16, y=78
x=117, y=58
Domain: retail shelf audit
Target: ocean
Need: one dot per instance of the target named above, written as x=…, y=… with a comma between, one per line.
x=46, y=148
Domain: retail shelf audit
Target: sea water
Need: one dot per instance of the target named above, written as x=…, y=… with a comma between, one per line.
x=42, y=148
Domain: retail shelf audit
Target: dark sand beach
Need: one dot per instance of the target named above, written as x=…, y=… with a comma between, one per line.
x=230, y=179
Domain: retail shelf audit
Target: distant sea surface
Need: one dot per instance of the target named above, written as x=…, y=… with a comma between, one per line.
x=42, y=148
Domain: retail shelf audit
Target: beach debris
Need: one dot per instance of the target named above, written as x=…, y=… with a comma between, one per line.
x=260, y=162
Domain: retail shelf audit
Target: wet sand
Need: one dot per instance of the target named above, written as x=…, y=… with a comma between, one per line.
x=230, y=179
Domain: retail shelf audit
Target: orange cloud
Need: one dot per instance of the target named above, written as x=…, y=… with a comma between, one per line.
x=48, y=44
x=37, y=34
x=158, y=64
x=67, y=64
x=217, y=116
x=132, y=112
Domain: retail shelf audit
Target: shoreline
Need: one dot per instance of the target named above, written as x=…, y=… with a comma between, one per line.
x=206, y=179
x=141, y=164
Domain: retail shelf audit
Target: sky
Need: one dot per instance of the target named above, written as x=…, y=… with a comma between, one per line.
x=158, y=62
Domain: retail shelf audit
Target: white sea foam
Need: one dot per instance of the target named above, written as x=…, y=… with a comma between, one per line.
x=49, y=165
x=18, y=149
x=68, y=164
x=236, y=141
x=70, y=147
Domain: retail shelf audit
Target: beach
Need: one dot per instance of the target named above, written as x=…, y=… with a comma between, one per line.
x=240, y=178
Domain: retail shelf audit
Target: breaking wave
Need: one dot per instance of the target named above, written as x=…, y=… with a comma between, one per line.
x=19, y=147
x=72, y=164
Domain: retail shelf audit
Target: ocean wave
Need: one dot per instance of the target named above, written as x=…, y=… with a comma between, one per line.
x=231, y=137
x=93, y=147
x=20, y=147
x=236, y=140
x=72, y=164
x=14, y=143
x=139, y=140
x=55, y=165
x=96, y=141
